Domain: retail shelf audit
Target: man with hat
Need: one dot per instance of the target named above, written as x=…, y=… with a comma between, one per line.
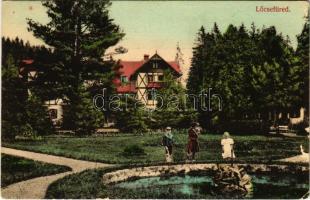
x=167, y=142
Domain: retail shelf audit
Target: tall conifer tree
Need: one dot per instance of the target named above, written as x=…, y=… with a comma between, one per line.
x=80, y=31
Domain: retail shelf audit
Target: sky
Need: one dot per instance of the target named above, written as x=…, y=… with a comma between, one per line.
x=157, y=26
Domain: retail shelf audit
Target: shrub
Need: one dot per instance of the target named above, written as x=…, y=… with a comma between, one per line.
x=133, y=150
x=37, y=117
x=80, y=115
x=132, y=117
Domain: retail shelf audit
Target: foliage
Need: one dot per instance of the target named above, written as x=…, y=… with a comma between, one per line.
x=81, y=116
x=90, y=180
x=248, y=148
x=13, y=100
x=133, y=150
x=254, y=71
x=80, y=32
x=16, y=169
x=172, y=107
x=300, y=71
x=37, y=117
x=131, y=115
x=20, y=50
x=22, y=113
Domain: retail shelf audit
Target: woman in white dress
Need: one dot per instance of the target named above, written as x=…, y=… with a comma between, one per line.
x=227, y=146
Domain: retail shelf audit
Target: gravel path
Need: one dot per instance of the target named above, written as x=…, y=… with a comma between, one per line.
x=304, y=158
x=36, y=188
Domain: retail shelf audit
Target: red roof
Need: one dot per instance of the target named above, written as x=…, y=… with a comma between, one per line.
x=128, y=68
x=26, y=65
x=175, y=66
x=27, y=62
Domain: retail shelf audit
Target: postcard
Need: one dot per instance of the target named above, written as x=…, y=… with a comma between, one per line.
x=154, y=99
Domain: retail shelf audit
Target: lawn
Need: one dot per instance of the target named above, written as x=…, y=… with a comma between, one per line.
x=251, y=148
x=16, y=169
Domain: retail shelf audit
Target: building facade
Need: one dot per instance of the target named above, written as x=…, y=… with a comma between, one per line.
x=137, y=78
x=140, y=78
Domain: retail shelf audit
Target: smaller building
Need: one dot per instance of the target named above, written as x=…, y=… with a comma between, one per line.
x=28, y=71
x=139, y=78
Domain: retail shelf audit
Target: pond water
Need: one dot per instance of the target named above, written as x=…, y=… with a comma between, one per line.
x=271, y=186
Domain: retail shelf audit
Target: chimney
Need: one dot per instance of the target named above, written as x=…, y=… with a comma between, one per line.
x=146, y=57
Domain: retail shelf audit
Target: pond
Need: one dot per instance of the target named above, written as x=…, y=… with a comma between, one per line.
x=265, y=185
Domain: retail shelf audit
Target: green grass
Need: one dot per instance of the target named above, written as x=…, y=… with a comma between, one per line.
x=251, y=148
x=16, y=169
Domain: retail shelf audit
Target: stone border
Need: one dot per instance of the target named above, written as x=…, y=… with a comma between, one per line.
x=166, y=170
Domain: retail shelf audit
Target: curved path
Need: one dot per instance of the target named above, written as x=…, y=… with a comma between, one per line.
x=37, y=187
x=303, y=158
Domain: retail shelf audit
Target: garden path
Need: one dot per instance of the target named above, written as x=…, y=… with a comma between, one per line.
x=304, y=158
x=37, y=187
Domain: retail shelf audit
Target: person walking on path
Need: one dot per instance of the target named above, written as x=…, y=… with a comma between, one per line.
x=167, y=142
x=193, y=145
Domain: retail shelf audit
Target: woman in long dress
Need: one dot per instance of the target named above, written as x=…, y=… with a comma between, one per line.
x=193, y=145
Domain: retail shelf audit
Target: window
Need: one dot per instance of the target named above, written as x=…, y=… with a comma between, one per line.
x=160, y=77
x=124, y=79
x=150, y=95
x=155, y=65
x=150, y=78
x=53, y=113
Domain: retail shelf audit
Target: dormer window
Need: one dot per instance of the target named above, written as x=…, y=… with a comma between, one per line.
x=155, y=65
x=124, y=79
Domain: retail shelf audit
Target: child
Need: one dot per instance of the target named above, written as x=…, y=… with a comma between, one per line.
x=227, y=146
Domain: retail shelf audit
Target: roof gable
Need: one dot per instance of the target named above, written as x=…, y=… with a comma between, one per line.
x=129, y=68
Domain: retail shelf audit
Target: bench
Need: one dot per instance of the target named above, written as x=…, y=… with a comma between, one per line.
x=283, y=129
x=107, y=131
x=278, y=129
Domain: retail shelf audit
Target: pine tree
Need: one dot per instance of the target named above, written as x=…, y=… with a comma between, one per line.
x=81, y=116
x=80, y=31
x=13, y=100
x=37, y=117
x=194, y=82
x=21, y=113
x=250, y=71
x=302, y=52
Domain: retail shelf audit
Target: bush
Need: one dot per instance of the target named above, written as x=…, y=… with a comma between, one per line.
x=80, y=115
x=132, y=117
x=300, y=128
x=133, y=150
x=37, y=118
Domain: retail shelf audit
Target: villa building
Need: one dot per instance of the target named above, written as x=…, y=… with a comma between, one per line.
x=132, y=77
x=141, y=77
